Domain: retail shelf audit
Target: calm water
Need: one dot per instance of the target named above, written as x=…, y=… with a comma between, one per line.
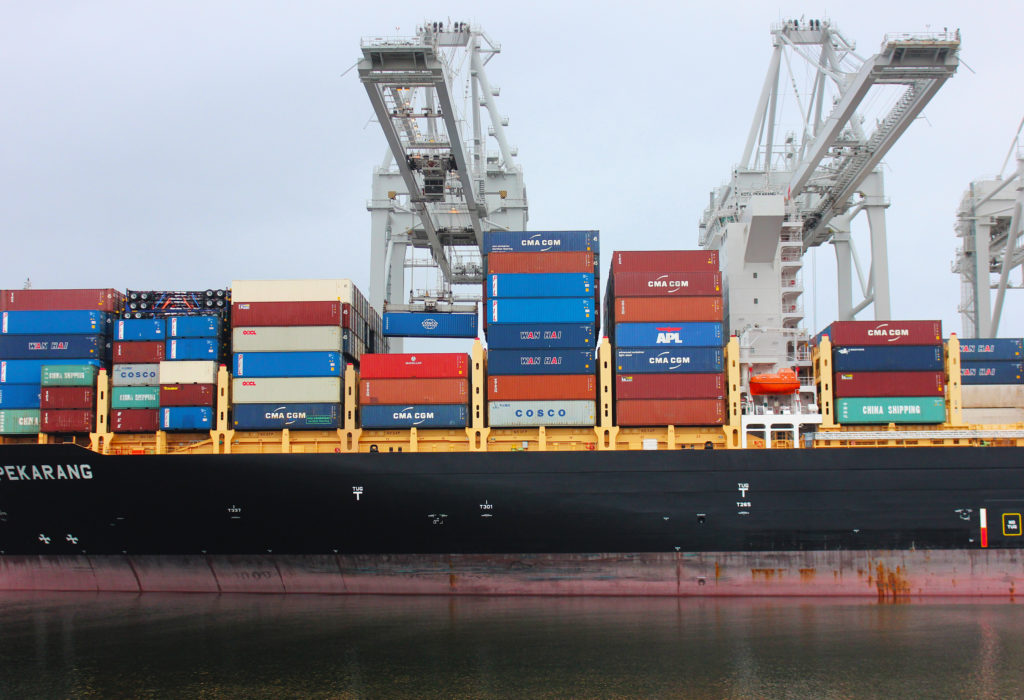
x=207, y=646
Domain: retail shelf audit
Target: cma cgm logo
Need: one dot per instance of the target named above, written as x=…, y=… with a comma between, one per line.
x=891, y=334
x=429, y=324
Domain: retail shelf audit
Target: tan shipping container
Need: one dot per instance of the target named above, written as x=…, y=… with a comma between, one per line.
x=188, y=372
x=286, y=390
x=992, y=396
x=292, y=290
x=286, y=339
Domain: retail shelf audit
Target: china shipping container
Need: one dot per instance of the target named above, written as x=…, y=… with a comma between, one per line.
x=286, y=390
x=509, y=414
x=541, y=361
x=670, y=386
x=662, y=260
x=147, y=374
x=193, y=349
x=888, y=333
x=552, y=284
x=293, y=416
x=658, y=283
x=878, y=358
x=20, y=396
x=188, y=372
x=991, y=349
x=498, y=263
x=849, y=384
x=633, y=412
x=668, y=335
x=67, y=397
x=654, y=361
x=901, y=409
x=139, y=351
x=287, y=364
x=77, y=374
x=66, y=421
x=53, y=346
x=64, y=322
x=666, y=309
x=140, y=329
x=548, y=387
x=540, y=241
x=186, y=418
x=286, y=338
x=135, y=397
x=135, y=420
x=414, y=365
x=286, y=313
x=560, y=310
x=292, y=290
x=21, y=421
x=187, y=394
x=193, y=326
x=109, y=300
x=430, y=325
x=417, y=391
x=383, y=416
x=30, y=371
x=991, y=373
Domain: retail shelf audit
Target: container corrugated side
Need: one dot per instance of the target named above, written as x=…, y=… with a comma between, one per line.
x=292, y=290
x=540, y=241
x=552, y=284
x=667, y=309
x=192, y=349
x=135, y=420
x=140, y=351
x=991, y=373
x=417, y=391
x=559, y=310
x=900, y=409
x=135, y=397
x=286, y=313
x=293, y=416
x=286, y=339
x=67, y=397
x=186, y=418
x=77, y=374
x=523, y=336
x=662, y=260
x=383, y=416
x=850, y=384
x=140, y=329
x=426, y=365
x=652, y=412
x=652, y=360
x=520, y=414
x=67, y=421
x=286, y=390
x=147, y=374
x=63, y=322
x=109, y=300
x=430, y=325
x=188, y=394
x=659, y=283
x=991, y=349
x=498, y=263
x=993, y=396
x=287, y=364
x=30, y=371
x=669, y=335
x=877, y=358
x=548, y=387
x=888, y=333
x=193, y=327
x=22, y=421
x=546, y=361
x=670, y=386
x=188, y=372
x=53, y=347
x=20, y=396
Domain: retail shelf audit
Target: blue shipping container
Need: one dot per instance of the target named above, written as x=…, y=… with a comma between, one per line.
x=63, y=322
x=294, y=416
x=682, y=360
x=20, y=395
x=54, y=347
x=414, y=416
x=661, y=335
x=140, y=329
x=192, y=349
x=991, y=349
x=559, y=310
x=884, y=358
x=541, y=241
x=288, y=364
x=991, y=373
x=193, y=327
x=186, y=418
x=31, y=371
x=430, y=325
x=540, y=335
x=553, y=284
x=541, y=361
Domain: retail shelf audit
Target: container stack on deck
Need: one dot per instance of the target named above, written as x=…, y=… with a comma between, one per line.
x=992, y=378
x=140, y=345
x=664, y=310
x=188, y=376
x=541, y=321
x=68, y=398
x=429, y=390
x=887, y=371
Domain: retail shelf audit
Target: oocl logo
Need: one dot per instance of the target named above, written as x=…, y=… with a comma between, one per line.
x=248, y=332
x=248, y=383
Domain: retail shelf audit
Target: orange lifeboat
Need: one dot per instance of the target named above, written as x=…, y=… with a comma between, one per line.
x=782, y=382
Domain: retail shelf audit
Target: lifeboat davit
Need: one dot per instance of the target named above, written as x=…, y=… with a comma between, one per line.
x=782, y=382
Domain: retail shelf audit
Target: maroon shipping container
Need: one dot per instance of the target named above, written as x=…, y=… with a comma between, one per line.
x=651, y=260
x=286, y=313
x=670, y=309
x=351, y=319
x=885, y=333
x=61, y=397
x=549, y=387
x=425, y=365
x=135, y=420
x=670, y=386
x=848, y=384
x=76, y=420
x=657, y=412
x=61, y=300
x=408, y=391
x=552, y=261
x=659, y=283
x=188, y=394
x=141, y=351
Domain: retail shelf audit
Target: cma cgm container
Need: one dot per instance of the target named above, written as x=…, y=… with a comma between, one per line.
x=109, y=300
x=430, y=325
x=414, y=416
x=509, y=414
x=192, y=349
x=900, y=358
x=287, y=364
x=661, y=260
x=659, y=335
x=670, y=386
x=22, y=421
x=541, y=335
x=991, y=349
x=187, y=394
x=135, y=397
x=186, y=418
x=286, y=313
x=292, y=290
x=889, y=333
x=669, y=412
x=135, y=420
x=498, y=263
x=682, y=283
x=426, y=365
x=888, y=384
x=540, y=241
x=286, y=390
x=420, y=391
x=67, y=397
x=561, y=310
x=547, y=361
x=19, y=396
x=293, y=416
x=53, y=347
x=66, y=421
x=30, y=371
x=667, y=309
x=286, y=338
x=902, y=409
x=188, y=372
x=992, y=373
x=140, y=351
x=548, y=387
x=652, y=360
x=140, y=329
x=78, y=374
x=193, y=326
x=64, y=322
x=135, y=375
x=553, y=284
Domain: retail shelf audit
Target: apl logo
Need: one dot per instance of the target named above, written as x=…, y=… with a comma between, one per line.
x=429, y=324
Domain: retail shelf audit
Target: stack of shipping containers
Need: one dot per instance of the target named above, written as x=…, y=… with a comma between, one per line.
x=429, y=390
x=992, y=378
x=664, y=310
x=887, y=371
x=68, y=398
x=541, y=321
x=139, y=348
x=188, y=375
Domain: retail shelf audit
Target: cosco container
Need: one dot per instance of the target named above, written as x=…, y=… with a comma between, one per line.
x=135, y=420
x=541, y=335
x=193, y=327
x=430, y=325
x=139, y=351
x=135, y=375
x=992, y=373
x=426, y=391
x=188, y=394
x=78, y=374
x=659, y=283
x=670, y=386
x=541, y=361
x=383, y=416
x=286, y=390
x=902, y=409
x=292, y=290
x=540, y=241
x=667, y=335
x=662, y=260
x=666, y=309
x=140, y=329
x=286, y=313
x=293, y=416
x=652, y=360
x=876, y=358
x=19, y=421
x=888, y=333
x=286, y=339
x=63, y=322
x=109, y=300
x=287, y=364
x=548, y=387
x=67, y=421
x=498, y=263
x=631, y=412
x=19, y=395
x=426, y=365
x=67, y=397
x=509, y=414
x=186, y=418
x=30, y=371
x=53, y=347
x=188, y=372
x=848, y=384
x=135, y=397
x=552, y=284
x=991, y=349
x=562, y=310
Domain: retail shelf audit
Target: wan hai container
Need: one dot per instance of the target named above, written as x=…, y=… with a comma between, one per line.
x=293, y=416
x=430, y=325
x=889, y=384
x=414, y=416
x=991, y=349
x=53, y=347
x=682, y=283
x=498, y=263
x=652, y=360
x=109, y=300
x=540, y=241
x=528, y=336
x=286, y=313
x=516, y=414
x=670, y=386
x=666, y=309
x=992, y=373
x=425, y=365
x=667, y=335
x=661, y=260
x=554, y=284
x=874, y=358
x=286, y=390
x=562, y=310
x=63, y=322
x=551, y=361
x=670, y=412
x=286, y=339
x=903, y=409
x=31, y=371
x=889, y=333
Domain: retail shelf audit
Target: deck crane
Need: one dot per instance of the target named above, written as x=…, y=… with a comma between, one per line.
x=438, y=189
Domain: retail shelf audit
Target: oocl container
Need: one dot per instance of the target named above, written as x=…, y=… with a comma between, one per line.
x=63, y=322
x=140, y=329
x=69, y=374
x=286, y=390
x=631, y=412
x=991, y=349
x=19, y=421
x=384, y=416
x=430, y=325
x=286, y=339
x=186, y=418
x=19, y=396
x=874, y=358
x=652, y=360
x=287, y=364
x=66, y=421
x=670, y=386
x=657, y=283
x=418, y=391
x=667, y=309
x=507, y=414
x=135, y=375
x=540, y=241
x=137, y=420
x=541, y=361
x=661, y=260
x=188, y=372
x=192, y=349
x=292, y=290
x=53, y=346
x=541, y=335
x=30, y=371
x=426, y=365
x=193, y=327
x=889, y=333
x=667, y=335
x=109, y=300
x=140, y=351
x=67, y=397
x=540, y=262
x=561, y=310
x=992, y=373
x=553, y=284
x=187, y=394
x=889, y=384
x=135, y=397
x=902, y=409
x=293, y=416
x=286, y=313
x=549, y=387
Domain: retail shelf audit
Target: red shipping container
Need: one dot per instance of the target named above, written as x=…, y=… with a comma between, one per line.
x=651, y=260
x=425, y=365
x=669, y=309
x=670, y=386
x=659, y=283
x=135, y=420
x=142, y=351
x=657, y=412
x=61, y=397
x=286, y=313
x=66, y=421
x=188, y=394
x=848, y=384
x=552, y=261
x=61, y=300
x=884, y=333
x=551, y=387
x=403, y=391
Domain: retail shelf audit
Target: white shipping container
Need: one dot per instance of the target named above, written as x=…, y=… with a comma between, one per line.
x=292, y=290
x=992, y=395
x=286, y=390
x=188, y=372
x=135, y=375
x=993, y=416
x=286, y=339
x=519, y=414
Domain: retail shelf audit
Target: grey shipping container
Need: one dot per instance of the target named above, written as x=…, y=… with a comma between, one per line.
x=286, y=339
x=286, y=390
x=534, y=413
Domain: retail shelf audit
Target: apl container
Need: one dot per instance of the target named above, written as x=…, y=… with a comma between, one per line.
x=67, y=421
x=58, y=397
x=992, y=373
x=109, y=300
x=561, y=310
x=193, y=327
x=991, y=349
x=19, y=395
x=187, y=394
x=515, y=336
x=62, y=322
x=53, y=347
x=293, y=416
x=498, y=263
x=286, y=390
x=509, y=414
x=139, y=351
x=426, y=365
x=629, y=412
x=192, y=349
x=666, y=309
x=384, y=416
x=286, y=313
x=667, y=335
x=876, y=358
x=889, y=333
x=140, y=329
x=287, y=364
x=670, y=386
x=137, y=420
x=418, y=391
x=188, y=372
x=19, y=421
x=30, y=371
x=652, y=360
x=903, y=409
x=541, y=361
x=554, y=284
x=848, y=384
x=548, y=387
x=430, y=325
x=659, y=283
x=186, y=418
x=77, y=374
x=292, y=290
x=540, y=241
x=662, y=260
x=286, y=339
x=135, y=375
x=135, y=397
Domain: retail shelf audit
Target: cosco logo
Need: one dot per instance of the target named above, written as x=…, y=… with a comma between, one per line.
x=540, y=413
x=248, y=383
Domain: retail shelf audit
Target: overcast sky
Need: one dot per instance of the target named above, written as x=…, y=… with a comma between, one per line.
x=183, y=145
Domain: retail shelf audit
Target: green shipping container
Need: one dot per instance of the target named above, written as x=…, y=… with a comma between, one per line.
x=899, y=409
x=69, y=375
x=135, y=397
x=19, y=422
